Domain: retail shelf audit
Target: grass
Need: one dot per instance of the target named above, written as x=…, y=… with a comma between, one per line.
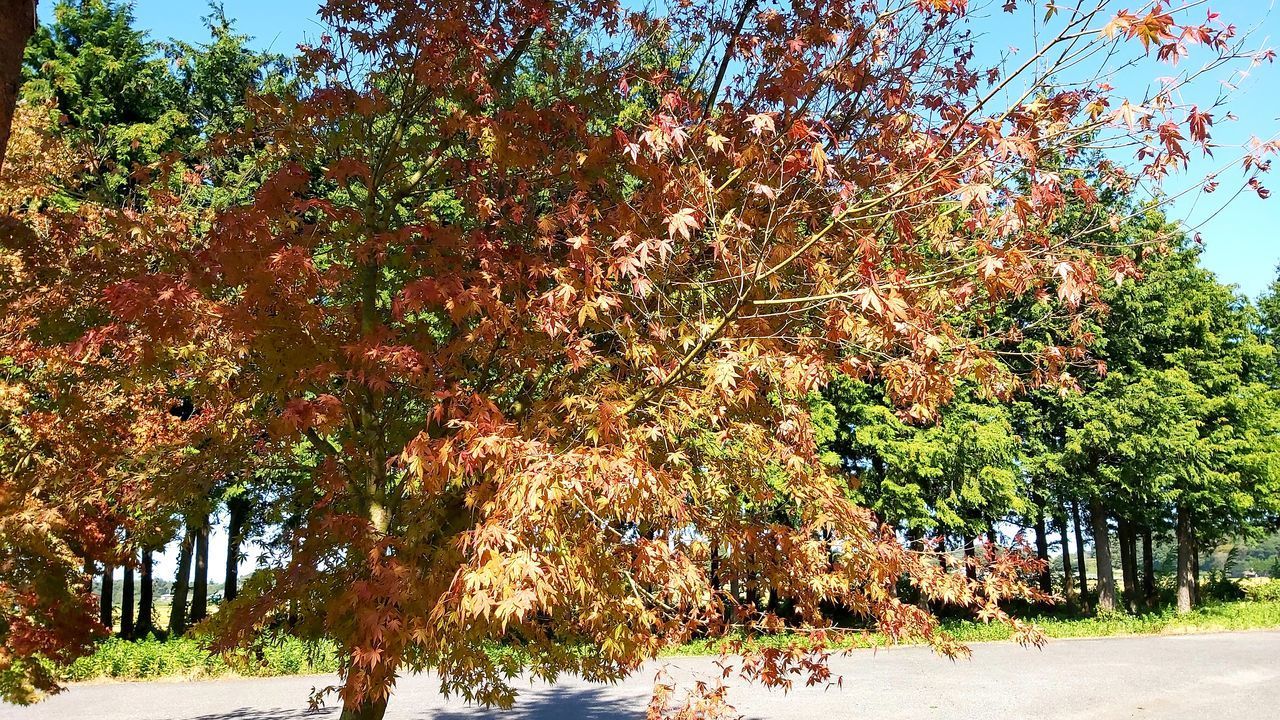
x=1218, y=617
x=190, y=658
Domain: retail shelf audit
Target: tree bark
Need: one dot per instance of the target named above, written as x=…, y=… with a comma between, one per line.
x=1148, y=570
x=146, y=598
x=200, y=585
x=915, y=543
x=368, y=711
x=1102, y=554
x=1060, y=521
x=178, y=613
x=1195, y=566
x=105, y=614
x=1186, y=555
x=1042, y=552
x=1083, y=576
x=17, y=23
x=126, y=602
x=1128, y=564
x=970, y=557
x=237, y=514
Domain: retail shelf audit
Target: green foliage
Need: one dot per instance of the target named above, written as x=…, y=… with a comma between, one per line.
x=272, y=654
x=134, y=102
x=111, y=85
x=1183, y=415
x=1216, y=617
x=1261, y=589
x=956, y=475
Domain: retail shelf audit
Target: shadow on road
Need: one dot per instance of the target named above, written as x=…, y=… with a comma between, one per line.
x=273, y=714
x=552, y=704
x=537, y=704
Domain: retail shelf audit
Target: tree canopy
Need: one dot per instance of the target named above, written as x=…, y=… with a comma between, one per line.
x=523, y=312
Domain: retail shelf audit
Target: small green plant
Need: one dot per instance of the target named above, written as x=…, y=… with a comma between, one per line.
x=273, y=654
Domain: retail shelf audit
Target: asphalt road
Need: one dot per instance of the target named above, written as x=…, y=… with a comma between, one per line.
x=1189, y=676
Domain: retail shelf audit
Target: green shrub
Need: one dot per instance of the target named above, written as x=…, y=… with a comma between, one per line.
x=1261, y=589
x=275, y=654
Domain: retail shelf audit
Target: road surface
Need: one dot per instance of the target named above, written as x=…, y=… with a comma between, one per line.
x=1189, y=676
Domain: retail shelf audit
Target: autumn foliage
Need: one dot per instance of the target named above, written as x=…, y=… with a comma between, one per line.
x=532, y=300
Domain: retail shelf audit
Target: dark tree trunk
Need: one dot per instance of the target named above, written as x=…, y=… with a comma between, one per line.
x=126, y=602
x=1186, y=560
x=368, y=711
x=1042, y=552
x=178, y=613
x=971, y=558
x=944, y=548
x=237, y=514
x=1148, y=571
x=713, y=571
x=105, y=613
x=146, y=598
x=1131, y=541
x=1128, y=564
x=1102, y=554
x=200, y=584
x=1195, y=566
x=915, y=543
x=17, y=23
x=1060, y=521
x=1083, y=576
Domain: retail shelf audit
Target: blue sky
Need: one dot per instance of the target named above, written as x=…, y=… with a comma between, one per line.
x=1241, y=233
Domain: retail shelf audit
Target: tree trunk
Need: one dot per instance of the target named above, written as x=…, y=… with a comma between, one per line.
x=1060, y=521
x=178, y=613
x=1042, y=552
x=1186, y=555
x=1195, y=567
x=146, y=598
x=17, y=23
x=237, y=513
x=200, y=585
x=915, y=543
x=1102, y=554
x=1148, y=571
x=369, y=711
x=105, y=613
x=1128, y=564
x=1083, y=576
x=970, y=557
x=713, y=570
x=126, y=602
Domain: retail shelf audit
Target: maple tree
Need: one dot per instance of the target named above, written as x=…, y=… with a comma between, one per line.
x=533, y=301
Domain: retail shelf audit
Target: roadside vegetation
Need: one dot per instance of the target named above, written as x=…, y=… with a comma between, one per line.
x=191, y=658
x=282, y=654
